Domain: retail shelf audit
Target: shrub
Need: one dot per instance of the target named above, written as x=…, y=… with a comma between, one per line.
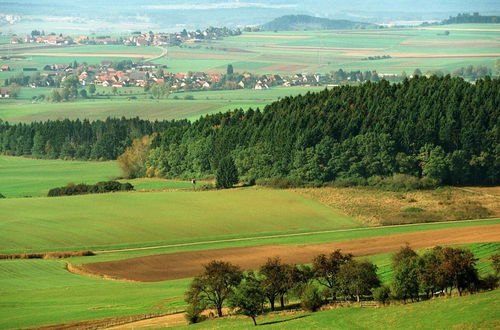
x=382, y=294
x=189, y=97
x=280, y=182
x=414, y=210
x=310, y=300
x=1, y=196
x=489, y=282
x=193, y=312
x=98, y=188
x=349, y=182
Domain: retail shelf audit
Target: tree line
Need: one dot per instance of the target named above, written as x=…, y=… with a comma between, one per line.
x=76, y=139
x=335, y=277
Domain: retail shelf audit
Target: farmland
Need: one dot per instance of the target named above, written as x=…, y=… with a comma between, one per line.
x=34, y=292
x=23, y=110
x=148, y=244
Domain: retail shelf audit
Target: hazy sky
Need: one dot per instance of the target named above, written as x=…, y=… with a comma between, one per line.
x=114, y=15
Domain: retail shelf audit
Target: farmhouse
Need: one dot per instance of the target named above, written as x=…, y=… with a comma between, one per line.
x=4, y=94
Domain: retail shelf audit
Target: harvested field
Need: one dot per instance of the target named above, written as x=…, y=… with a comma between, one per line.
x=188, y=264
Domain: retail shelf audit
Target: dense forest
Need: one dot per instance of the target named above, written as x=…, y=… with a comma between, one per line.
x=438, y=129
x=67, y=139
x=307, y=23
x=442, y=129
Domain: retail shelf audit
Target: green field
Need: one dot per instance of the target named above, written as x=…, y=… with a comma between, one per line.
x=132, y=219
x=23, y=110
x=26, y=177
x=34, y=177
x=324, y=51
x=39, y=292
x=478, y=311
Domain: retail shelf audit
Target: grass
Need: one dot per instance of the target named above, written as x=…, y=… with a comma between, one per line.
x=23, y=110
x=42, y=292
x=150, y=218
x=479, y=311
x=34, y=177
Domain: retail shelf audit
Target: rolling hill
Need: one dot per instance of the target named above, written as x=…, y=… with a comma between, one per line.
x=308, y=23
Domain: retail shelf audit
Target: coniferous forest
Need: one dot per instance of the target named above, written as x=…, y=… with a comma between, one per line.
x=441, y=130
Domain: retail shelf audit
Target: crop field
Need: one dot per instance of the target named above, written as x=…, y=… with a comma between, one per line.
x=22, y=110
x=138, y=219
x=42, y=292
x=324, y=51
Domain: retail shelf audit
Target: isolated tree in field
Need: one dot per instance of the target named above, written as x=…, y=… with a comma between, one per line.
x=357, y=278
x=227, y=174
x=215, y=285
x=132, y=161
x=325, y=268
x=230, y=70
x=70, y=85
x=249, y=297
x=276, y=280
x=92, y=89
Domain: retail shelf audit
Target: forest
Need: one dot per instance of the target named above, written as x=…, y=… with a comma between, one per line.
x=437, y=130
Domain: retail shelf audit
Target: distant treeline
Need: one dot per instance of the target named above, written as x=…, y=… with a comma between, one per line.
x=75, y=139
x=474, y=18
x=440, y=130
x=82, y=189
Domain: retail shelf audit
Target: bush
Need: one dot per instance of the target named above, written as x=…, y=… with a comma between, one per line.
x=280, y=183
x=310, y=300
x=81, y=189
x=193, y=313
x=349, y=182
x=489, y=282
x=382, y=294
x=189, y=97
x=1, y=196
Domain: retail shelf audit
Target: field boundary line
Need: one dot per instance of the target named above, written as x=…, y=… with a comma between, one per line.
x=282, y=236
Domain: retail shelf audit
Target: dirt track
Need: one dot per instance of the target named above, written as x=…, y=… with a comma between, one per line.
x=188, y=264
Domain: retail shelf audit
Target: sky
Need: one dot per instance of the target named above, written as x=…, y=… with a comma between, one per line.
x=168, y=15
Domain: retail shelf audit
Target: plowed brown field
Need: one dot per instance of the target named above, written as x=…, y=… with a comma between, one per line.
x=188, y=264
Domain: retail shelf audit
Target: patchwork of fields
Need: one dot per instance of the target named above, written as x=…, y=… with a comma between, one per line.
x=152, y=241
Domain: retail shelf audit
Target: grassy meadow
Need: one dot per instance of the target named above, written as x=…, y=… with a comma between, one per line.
x=42, y=292
x=478, y=311
x=23, y=110
x=21, y=177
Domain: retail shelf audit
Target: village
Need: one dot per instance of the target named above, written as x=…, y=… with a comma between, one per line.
x=135, y=39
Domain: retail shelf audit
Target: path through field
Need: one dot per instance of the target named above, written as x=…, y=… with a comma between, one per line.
x=188, y=264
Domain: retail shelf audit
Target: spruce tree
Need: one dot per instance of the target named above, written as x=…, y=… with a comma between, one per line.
x=227, y=174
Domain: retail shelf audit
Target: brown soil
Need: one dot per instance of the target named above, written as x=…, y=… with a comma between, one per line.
x=188, y=264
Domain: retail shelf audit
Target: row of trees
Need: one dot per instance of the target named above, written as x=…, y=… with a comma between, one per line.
x=76, y=139
x=438, y=271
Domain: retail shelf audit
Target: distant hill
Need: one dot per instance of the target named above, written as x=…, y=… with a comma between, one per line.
x=305, y=22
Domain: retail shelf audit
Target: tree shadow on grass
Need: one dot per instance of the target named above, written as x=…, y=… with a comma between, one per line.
x=282, y=321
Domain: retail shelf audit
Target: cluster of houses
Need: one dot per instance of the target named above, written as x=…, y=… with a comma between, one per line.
x=136, y=39
x=43, y=39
